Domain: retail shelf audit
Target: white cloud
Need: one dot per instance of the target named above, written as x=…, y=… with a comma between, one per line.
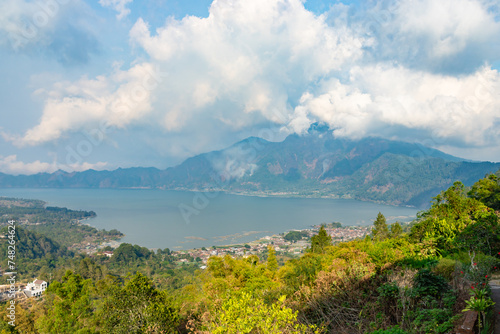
x=384, y=99
x=246, y=58
x=253, y=55
x=446, y=36
x=450, y=26
x=118, y=5
x=11, y=165
x=117, y=100
x=397, y=69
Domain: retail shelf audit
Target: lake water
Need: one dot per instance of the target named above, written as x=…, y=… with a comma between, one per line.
x=183, y=220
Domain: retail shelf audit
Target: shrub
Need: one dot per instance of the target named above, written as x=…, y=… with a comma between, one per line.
x=445, y=267
x=428, y=283
x=388, y=290
x=244, y=314
x=435, y=320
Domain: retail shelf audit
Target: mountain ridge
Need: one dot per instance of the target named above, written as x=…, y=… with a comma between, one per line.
x=315, y=164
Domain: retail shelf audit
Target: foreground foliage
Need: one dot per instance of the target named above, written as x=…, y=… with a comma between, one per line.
x=392, y=282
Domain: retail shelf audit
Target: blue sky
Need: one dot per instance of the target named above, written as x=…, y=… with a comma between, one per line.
x=120, y=83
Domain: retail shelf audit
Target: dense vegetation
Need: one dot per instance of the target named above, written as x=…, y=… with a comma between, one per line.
x=418, y=281
x=294, y=236
x=62, y=225
x=36, y=212
x=74, y=234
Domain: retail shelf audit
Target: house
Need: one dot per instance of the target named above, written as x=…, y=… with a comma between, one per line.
x=108, y=253
x=35, y=288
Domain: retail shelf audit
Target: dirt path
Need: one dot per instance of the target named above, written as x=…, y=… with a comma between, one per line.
x=495, y=295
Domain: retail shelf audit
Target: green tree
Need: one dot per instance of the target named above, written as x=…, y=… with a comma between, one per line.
x=294, y=236
x=320, y=241
x=481, y=236
x=301, y=271
x=68, y=308
x=487, y=191
x=5, y=328
x=380, y=229
x=451, y=212
x=137, y=307
x=87, y=268
x=272, y=262
x=396, y=230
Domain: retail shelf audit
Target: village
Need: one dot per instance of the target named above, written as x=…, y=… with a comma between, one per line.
x=283, y=247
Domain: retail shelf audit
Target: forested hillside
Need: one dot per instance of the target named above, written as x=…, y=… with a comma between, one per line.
x=418, y=281
x=64, y=226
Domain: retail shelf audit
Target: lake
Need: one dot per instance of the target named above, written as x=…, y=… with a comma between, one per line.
x=183, y=220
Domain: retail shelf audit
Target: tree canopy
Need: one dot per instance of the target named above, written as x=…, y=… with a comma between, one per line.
x=380, y=229
x=487, y=191
x=320, y=241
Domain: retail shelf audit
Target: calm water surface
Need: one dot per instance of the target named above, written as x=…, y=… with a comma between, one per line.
x=152, y=218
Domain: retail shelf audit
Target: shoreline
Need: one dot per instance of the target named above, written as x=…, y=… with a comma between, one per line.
x=260, y=194
x=282, y=195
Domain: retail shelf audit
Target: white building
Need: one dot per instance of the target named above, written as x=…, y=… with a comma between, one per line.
x=35, y=288
x=108, y=253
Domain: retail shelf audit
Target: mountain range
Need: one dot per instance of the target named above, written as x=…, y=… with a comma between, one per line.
x=315, y=164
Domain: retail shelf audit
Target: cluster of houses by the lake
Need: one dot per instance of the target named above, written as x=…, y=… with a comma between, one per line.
x=340, y=234
x=278, y=242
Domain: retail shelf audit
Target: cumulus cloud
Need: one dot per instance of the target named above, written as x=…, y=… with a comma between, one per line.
x=252, y=55
x=117, y=101
x=446, y=36
x=388, y=100
x=11, y=165
x=392, y=68
x=118, y=5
